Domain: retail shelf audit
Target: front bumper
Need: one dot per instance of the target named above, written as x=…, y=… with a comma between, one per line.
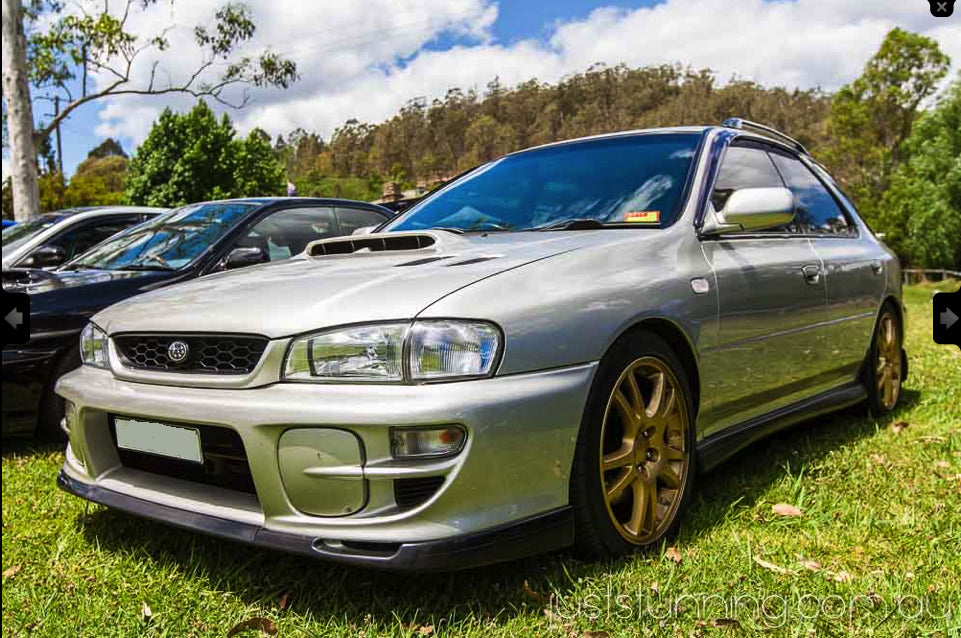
x=504, y=496
x=528, y=537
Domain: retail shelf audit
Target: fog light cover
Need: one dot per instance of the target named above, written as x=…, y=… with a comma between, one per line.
x=426, y=442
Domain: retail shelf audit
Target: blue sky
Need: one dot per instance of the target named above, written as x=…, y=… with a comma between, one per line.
x=366, y=58
x=517, y=20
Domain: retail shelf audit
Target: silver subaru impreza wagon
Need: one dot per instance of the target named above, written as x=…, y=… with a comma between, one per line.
x=544, y=353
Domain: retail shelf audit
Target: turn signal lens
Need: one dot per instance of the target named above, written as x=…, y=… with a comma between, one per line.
x=93, y=346
x=417, y=443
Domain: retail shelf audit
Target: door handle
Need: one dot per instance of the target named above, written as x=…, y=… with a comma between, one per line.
x=876, y=267
x=812, y=273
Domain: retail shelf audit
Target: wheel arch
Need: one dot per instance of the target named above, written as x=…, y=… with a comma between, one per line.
x=896, y=304
x=680, y=343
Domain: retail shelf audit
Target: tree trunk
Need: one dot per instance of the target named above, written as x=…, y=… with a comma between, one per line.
x=16, y=93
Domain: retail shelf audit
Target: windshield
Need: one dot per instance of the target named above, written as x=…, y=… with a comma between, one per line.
x=168, y=242
x=14, y=236
x=627, y=181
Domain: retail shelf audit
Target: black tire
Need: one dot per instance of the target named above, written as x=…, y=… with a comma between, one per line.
x=596, y=535
x=879, y=356
x=51, y=407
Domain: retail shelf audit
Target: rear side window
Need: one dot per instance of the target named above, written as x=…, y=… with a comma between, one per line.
x=818, y=213
x=353, y=218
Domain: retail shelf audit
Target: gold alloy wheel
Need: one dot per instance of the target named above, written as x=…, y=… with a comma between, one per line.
x=644, y=460
x=888, y=374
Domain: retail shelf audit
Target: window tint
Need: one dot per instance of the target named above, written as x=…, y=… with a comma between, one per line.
x=817, y=211
x=353, y=218
x=23, y=231
x=82, y=237
x=744, y=167
x=287, y=232
x=92, y=234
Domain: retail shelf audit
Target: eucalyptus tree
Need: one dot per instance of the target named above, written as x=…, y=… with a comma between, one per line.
x=89, y=50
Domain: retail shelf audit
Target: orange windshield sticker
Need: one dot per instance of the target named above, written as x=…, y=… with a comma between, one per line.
x=643, y=217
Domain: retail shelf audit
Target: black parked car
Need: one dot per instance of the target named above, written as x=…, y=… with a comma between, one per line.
x=193, y=241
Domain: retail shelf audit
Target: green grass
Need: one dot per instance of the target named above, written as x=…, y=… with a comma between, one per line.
x=880, y=518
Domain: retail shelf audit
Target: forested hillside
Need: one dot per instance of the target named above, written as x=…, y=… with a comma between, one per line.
x=892, y=137
x=426, y=142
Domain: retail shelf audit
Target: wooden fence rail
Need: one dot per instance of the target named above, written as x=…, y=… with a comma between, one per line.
x=914, y=276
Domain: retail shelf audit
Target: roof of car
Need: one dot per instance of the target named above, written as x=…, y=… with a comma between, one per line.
x=602, y=136
x=264, y=201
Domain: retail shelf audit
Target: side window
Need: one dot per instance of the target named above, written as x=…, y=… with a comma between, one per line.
x=817, y=213
x=744, y=167
x=353, y=218
x=287, y=232
x=92, y=234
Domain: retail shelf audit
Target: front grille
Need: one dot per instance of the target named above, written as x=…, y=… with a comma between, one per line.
x=411, y=492
x=225, y=460
x=206, y=354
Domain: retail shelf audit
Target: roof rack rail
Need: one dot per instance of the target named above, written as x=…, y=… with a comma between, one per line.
x=747, y=125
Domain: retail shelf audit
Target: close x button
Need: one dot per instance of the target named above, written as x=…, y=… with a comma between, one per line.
x=947, y=318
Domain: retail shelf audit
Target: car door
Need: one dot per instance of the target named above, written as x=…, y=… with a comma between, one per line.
x=770, y=350
x=854, y=274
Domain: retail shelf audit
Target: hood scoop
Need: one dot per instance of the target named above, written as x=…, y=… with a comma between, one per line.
x=387, y=242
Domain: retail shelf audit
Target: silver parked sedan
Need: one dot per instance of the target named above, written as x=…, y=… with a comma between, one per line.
x=543, y=353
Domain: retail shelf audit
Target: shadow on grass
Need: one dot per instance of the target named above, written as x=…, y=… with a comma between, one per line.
x=498, y=593
x=748, y=474
x=40, y=444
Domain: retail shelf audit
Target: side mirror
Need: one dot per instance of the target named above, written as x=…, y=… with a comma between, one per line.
x=753, y=209
x=243, y=257
x=48, y=256
x=363, y=230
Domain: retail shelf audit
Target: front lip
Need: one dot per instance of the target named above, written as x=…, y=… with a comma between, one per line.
x=533, y=535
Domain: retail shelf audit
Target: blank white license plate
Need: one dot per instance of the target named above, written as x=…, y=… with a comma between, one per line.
x=160, y=439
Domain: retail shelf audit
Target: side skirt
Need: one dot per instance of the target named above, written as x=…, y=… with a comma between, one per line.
x=717, y=448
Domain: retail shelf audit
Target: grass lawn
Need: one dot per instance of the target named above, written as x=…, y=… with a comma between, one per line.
x=876, y=550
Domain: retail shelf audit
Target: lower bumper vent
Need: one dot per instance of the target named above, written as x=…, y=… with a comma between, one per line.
x=411, y=492
x=225, y=460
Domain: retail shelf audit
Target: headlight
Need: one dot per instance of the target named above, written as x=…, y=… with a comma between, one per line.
x=431, y=350
x=360, y=353
x=451, y=349
x=93, y=346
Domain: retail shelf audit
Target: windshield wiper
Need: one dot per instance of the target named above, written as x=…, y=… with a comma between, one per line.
x=576, y=223
x=71, y=267
x=449, y=229
x=147, y=267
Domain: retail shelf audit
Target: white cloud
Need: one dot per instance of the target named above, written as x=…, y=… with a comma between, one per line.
x=366, y=58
